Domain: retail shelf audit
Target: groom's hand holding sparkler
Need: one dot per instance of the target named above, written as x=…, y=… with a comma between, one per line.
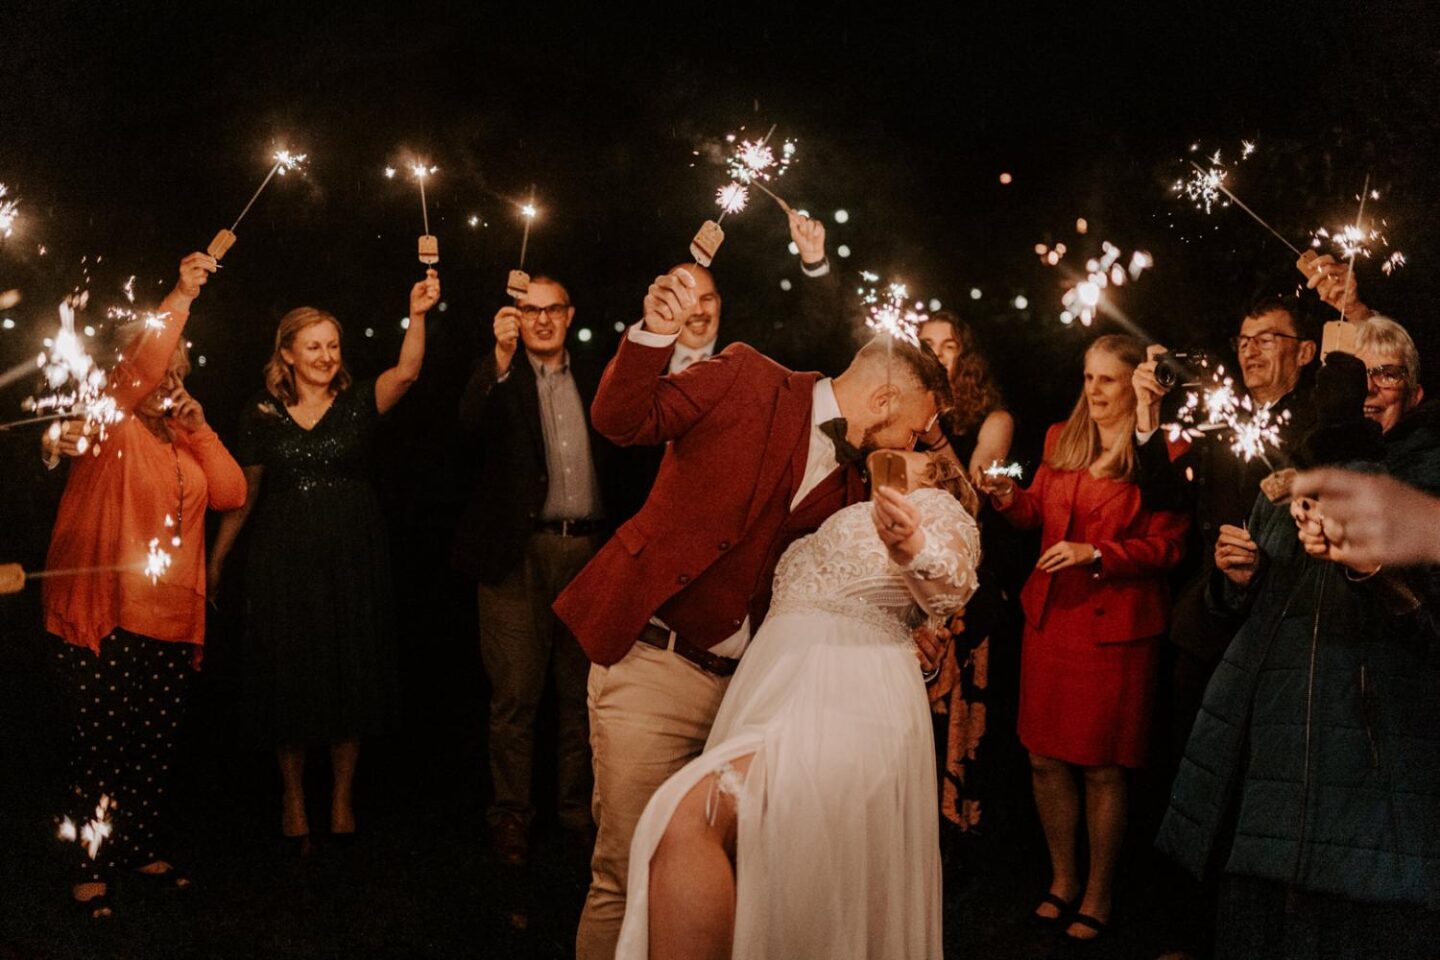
x=670, y=300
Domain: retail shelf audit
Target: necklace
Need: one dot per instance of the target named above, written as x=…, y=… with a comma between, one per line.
x=179, y=497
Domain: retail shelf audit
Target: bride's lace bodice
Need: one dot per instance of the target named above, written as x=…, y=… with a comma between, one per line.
x=843, y=567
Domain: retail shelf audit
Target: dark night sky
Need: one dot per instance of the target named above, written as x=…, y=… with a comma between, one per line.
x=135, y=132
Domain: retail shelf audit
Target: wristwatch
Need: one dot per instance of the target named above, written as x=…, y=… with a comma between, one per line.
x=1096, y=556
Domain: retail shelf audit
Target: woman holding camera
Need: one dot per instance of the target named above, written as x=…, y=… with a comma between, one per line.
x=1094, y=607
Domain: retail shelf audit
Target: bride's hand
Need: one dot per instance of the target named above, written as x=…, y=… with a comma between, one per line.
x=897, y=522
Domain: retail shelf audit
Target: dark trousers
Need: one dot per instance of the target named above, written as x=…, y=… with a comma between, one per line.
x=127, y=704
x=521, y=644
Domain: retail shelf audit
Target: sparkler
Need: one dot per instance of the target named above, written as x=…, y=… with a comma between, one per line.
x=1206, y=185
x=95, y=831
x=285, y=161
x=1358, y=239
x=997, y=469
x=428, y=246
x=1082, y=299
x=752, y=163
x=1254, y=428
x=13, y=576
x=889, y=311
x=8, y=212
x=518, y=283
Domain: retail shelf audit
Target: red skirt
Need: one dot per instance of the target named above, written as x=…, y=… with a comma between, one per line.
x=1088, y=704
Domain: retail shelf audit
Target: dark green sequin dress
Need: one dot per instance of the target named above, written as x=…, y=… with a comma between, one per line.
x=318, y=657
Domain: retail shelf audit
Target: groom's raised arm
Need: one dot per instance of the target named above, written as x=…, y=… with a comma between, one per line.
x=636, y=404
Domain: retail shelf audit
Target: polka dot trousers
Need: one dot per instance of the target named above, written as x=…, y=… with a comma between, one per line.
x=127, y=703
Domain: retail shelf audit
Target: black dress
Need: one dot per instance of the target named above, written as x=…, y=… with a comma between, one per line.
x=318, y=656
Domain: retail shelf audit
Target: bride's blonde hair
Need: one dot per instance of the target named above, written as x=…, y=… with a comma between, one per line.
x=945, y=474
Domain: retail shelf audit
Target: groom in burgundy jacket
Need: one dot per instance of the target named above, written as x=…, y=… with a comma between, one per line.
x=758, y=456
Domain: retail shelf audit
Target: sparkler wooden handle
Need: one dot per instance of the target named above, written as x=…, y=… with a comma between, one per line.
x=1276, y=487
x=12, y=578
x=707, y=241
x=429, y=249
x=223, y=241
x=517, y=284
x=1340, y=336
x=1307, y=259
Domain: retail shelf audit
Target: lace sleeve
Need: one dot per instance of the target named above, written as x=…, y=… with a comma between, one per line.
x=947, y=563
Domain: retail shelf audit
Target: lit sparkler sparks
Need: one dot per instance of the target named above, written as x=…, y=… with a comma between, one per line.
x=889, y=310
x=285, y=161
x=753, y=163
x=997, y=469
x=1206, y=185
x=1253, y=428
x=8, y=211
x=94, y=832
x=157, y=561
x=732, y=197
x=1083, y=298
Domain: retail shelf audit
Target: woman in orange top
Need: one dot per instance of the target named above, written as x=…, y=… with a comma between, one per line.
x=130, y=644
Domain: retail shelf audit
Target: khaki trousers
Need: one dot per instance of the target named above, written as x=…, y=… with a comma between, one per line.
x=650, y=714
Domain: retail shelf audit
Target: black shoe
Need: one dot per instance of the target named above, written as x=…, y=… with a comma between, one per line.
x=1100, y=927
x=1065, y=908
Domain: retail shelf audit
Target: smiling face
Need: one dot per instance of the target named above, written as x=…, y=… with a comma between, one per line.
x=1271, y=355
x=1387, y=403
x=702, y=325
x=314, y=354
x=1109, y=395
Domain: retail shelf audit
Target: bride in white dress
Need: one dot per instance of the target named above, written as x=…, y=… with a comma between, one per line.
x=809, y=826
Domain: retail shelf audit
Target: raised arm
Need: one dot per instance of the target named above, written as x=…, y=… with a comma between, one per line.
x=395, y=382
x=147, y=358
x=636, y=404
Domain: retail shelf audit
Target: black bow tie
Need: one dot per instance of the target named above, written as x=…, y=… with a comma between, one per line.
x=845, y=451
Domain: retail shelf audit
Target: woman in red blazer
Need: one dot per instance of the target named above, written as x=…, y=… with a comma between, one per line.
x=1094, y=608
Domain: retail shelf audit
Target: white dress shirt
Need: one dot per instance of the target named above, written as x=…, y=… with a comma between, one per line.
x=684, y=356
x=820, y=462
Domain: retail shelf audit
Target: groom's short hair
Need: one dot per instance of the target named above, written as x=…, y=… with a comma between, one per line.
x=917, y=362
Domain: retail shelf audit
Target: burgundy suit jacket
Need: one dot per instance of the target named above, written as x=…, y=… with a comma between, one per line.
x=734, y=424
x=1130, y=598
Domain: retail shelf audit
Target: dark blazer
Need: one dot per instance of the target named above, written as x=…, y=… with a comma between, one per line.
x=734, y=424
x=510, y=493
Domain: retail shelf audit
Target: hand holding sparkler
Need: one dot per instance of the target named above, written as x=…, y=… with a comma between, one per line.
x=998, y=484
x=1237, y=555
x=670, y=299
x=809, y=237
x=425, y=294
x=507, y=338
x=517, y=284
x=195, y=271
x=1335, y=283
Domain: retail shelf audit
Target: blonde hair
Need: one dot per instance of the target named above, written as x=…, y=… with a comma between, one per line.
x=279, y=375
x=1078, y=446
x=945, y=474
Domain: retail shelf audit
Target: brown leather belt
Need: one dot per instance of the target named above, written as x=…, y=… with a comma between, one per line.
x=704, y=659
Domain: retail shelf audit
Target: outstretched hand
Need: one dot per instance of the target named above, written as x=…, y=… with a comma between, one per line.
x=897, y=521
x=195, y=270
x=425, y=294
x=809, y=236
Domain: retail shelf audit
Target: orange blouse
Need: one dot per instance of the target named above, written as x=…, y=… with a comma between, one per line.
x=119, y=498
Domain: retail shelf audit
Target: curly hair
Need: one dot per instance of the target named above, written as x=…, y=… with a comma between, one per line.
x=945, y=474
x=973, y=390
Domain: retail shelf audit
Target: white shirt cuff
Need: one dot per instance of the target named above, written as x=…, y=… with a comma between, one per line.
x=819, y=270
x=638, y=334
x=1142, y=437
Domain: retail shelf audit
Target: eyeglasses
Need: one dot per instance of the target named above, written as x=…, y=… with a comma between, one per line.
x=1265, y=341
x=1389, y=375
x=555, y=311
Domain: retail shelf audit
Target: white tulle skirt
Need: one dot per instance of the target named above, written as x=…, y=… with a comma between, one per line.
x=838, y=841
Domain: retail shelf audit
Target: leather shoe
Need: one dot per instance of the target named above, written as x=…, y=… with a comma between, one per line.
x=509, y=842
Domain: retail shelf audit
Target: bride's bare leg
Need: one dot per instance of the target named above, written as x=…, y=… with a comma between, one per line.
x=692, y=875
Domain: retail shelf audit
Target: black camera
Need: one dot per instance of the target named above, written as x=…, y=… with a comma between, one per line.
x=1180, y=366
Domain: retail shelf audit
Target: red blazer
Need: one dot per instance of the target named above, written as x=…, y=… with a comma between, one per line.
x=734, y=424
x=1129, y=599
